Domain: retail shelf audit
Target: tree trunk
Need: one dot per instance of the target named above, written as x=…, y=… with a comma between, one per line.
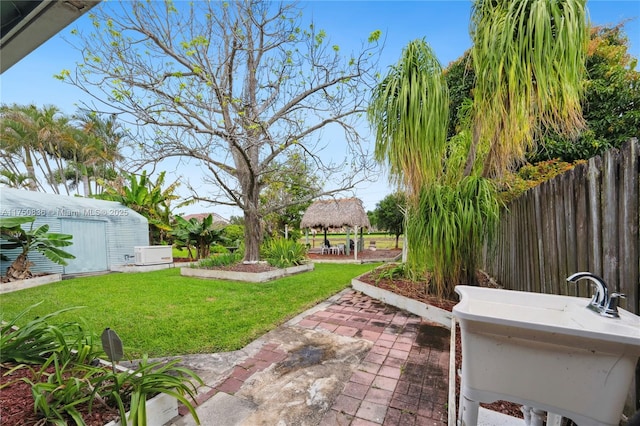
x=31, y=172
x=397, y=238
x=85, y=184
x=19, y=269
x=252, y=236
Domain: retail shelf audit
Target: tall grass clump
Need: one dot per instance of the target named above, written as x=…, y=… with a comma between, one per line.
x=283, y=253
x=448, y=227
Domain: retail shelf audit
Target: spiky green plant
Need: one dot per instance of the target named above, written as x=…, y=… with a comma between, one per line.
x=529, y=60
x=38, y=339
x=450, y=225
x=222, y=259
x=283, y=253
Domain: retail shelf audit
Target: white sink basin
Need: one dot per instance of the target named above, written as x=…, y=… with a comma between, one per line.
x=545, y=351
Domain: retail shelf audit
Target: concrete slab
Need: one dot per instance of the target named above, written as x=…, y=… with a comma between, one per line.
x=492, y=418
x=221, y=410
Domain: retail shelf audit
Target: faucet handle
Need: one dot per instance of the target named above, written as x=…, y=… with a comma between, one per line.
x=611, y=310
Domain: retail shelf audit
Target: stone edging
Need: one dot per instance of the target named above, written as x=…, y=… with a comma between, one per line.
x=160, y=410
x=32, y=282
x=254, y=277
x=430, y=313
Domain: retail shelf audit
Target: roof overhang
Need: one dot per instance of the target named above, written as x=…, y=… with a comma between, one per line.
x=26, y=24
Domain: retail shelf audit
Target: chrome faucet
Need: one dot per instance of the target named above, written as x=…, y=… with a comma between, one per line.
x=601, y=302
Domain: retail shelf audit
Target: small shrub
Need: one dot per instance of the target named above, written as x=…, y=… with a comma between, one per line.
x=234, y=234
x=585, y=147
x=222, y=259
x=283, y=253
x=512, y=185
x=218, y=249
x=391, y=272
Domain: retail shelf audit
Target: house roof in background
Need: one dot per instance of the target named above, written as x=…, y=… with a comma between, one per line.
x=217, y=219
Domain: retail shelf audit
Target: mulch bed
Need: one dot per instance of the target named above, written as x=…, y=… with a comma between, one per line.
x=16, y=401
x=365, y=255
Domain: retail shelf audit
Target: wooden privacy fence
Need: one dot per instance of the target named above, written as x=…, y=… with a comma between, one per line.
x=583, y=220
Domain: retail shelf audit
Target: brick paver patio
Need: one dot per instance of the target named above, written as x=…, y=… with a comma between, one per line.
x=403, y=380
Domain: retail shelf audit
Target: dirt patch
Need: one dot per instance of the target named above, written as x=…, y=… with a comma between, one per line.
x=432, y=336
x=366, y=255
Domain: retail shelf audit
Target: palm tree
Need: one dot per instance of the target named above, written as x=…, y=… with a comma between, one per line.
x=16, y=141
x=35, y=137
x=529, y=60
x=99, y=142
x=409, y=111
x=14, y=180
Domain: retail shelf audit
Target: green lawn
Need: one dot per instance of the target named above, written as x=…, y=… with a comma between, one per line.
x=162, y=313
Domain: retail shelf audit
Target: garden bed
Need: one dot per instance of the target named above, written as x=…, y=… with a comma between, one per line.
x=252, y=272
x=17, y=402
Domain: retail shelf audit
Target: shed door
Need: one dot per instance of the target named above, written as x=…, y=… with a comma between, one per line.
x=89, y=245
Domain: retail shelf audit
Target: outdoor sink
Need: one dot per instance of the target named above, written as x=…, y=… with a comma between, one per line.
x=545, y=351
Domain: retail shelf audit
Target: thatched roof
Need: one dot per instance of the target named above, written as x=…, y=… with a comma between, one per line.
x=335, y=214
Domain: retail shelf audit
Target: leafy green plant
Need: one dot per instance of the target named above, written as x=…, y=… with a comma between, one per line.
x=152, y=378
x=283, y=253
x=75, y=384
x=222, y=259
x=39, y=239
x=512, y=185
x=37, y=340
x=450, y=225
x=69, y=381
x=200, y=234
x=391, y=272
x=70, y=385
x=585, y=147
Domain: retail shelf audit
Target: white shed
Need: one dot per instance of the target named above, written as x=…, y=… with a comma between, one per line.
x=104, y=232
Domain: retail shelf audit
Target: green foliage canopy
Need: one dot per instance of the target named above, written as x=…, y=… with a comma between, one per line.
x=529, y=60
x=390, y=214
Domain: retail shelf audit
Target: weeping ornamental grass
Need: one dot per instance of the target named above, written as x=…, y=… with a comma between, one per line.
x=529, y=59
x=407, y=111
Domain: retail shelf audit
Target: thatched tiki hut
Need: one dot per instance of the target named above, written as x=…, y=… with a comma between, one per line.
x=346, y=212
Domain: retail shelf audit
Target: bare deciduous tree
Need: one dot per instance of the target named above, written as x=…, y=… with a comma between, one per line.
x=233, y=85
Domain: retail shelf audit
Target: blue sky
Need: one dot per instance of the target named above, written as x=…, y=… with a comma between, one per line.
x=444, y=24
